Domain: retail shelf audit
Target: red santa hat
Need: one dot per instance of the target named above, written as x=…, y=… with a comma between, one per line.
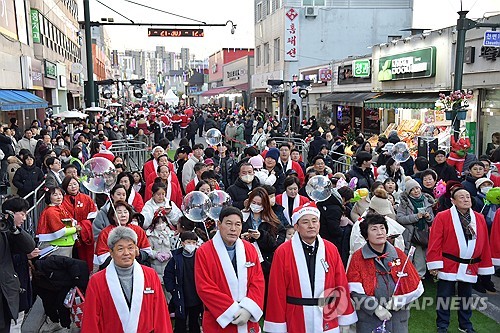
x=305, y=209
x=106, y=145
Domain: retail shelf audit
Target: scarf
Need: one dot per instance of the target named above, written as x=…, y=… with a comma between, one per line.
x=465, y=220
x=418, y=203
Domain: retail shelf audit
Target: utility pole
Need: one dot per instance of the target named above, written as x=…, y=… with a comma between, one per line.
x=88, y=52
x=463, y=24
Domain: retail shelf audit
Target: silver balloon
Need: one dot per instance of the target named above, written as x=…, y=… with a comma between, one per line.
x=218, y=200
x=98, y=175
x=400, y=152
x=195, y=206
x=213, y=137
x=319, y=188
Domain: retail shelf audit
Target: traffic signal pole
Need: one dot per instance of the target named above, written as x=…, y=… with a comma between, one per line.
x=88, y=52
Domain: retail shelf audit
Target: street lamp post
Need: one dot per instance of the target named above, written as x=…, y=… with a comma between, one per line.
x=186, y=84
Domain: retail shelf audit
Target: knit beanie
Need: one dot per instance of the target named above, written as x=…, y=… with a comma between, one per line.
x=410, y=185
x=256, y=162
x=273, y=153
x=380, y=203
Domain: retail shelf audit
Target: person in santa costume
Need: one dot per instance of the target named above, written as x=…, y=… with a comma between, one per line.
x=83, y=209
x=495, y=239
x=133, y=198
x=229, y=278
x=55, y=225
x=316, y=299
x=291, y=199
x=120, y=214
x=458, y=251
x=126, y=296
x=286, y=162
x=151, y=174
x=105, y=151
x=165, y=177
x=373, y=274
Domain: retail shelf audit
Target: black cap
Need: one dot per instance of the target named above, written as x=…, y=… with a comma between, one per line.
x=440, y=152
x=184, y=150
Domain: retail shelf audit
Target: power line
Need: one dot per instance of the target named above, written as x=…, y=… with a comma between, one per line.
x=164, y=11
x=114, y=11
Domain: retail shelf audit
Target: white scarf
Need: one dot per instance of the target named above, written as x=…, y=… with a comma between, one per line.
x=284, y=203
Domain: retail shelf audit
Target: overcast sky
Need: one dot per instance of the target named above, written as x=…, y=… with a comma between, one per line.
x=432, y=14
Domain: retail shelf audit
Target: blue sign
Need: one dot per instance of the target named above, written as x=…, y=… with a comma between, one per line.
x=492, y=38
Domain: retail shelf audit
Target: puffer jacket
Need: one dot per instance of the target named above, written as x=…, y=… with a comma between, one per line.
x=408, y=219
x=27, y=179
x=365, y=178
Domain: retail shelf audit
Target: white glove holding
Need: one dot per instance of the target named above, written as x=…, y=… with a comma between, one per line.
x=382, y=313
x=241, y=317
x=344, y=329
x=392, y=305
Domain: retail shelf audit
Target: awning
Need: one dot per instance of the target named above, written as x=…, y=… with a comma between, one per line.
x=348, y=98
x=215, y=91
x=404, y=101
x=20, y=100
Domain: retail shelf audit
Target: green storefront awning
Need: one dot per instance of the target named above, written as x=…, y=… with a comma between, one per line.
x=404, y=101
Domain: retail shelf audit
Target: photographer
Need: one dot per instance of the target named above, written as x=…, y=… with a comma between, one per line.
x=12, y=240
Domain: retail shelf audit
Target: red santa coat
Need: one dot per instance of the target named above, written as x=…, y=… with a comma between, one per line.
x=50, y=227
x=173, y=193
x=299, y=200
x=184, y=121
x=190, y=187
x=446, y=236
x=135, y=200
x=106, y=154
x=102, y=249
x=223, y=292
x=83, y=209
x=106, y=308
x=285, y=281
x=294, y=166
x=495, y=239
x=150, y=173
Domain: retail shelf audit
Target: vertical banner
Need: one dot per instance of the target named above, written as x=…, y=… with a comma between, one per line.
x=291, y=34
x=35, y=25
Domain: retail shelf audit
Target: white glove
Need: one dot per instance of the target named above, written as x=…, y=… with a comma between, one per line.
x=344, y=329
x=241, y=317
x=392, y=305
x=382, y=313
x=162, y=257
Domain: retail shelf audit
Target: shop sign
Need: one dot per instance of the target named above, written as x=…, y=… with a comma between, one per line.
x=235, y=75
x=35, y=25
x=491, y=38
x=490, y=53
x=410, y=65
x=74, y=78
x=346, y=76
x=291, y=34
x=50, y=70
x=325, y=74
x=26, y=72
x=361, y=68
x=37, y=76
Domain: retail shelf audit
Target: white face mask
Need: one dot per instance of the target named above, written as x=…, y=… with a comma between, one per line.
x=247, y=178
x=256, y=208
x=64, y=158
x=61, y=143
x=485, y=189
x=161, y=226
x=190, y=248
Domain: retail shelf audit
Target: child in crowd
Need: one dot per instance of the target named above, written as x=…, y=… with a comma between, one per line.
x=290, y=231
x=159, y=234
x=263, y=175
x=179, y=281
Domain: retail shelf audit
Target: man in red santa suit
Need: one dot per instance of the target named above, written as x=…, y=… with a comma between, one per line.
x=495, y=239
x=458, y=251
x=316, y=299
x=126, y=296
x=105, y=151
x=229, y=278
x=286, y=162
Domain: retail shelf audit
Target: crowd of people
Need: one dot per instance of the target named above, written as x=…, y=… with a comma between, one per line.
x=356, y=258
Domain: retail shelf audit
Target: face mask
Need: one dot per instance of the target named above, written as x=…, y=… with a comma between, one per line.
x=161, y=226
x=256, y=208
x=247, y=178
x=272, y=201
x=64, y=158
x=80, y=155
x=190, y=248
x=485, y=190
x=61, y=143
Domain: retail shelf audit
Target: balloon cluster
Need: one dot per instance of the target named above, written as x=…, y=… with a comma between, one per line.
x=197, y=206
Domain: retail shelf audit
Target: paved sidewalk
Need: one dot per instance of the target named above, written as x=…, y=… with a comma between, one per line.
x=493, y=301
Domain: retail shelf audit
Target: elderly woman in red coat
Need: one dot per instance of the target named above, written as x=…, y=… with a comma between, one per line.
x=83, y=209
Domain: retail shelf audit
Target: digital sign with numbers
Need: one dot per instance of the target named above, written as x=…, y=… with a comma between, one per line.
x=152, y=32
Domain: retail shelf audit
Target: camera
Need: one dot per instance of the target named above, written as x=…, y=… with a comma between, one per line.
x=7, y=221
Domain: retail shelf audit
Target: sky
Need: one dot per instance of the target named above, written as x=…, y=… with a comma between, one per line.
x=430, y=14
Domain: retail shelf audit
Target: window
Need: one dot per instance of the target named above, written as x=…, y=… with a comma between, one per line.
x=257, y=56
x=258, y=15
x=266, y=54
x=268, y=7
x=277, y=50
x=313, y=2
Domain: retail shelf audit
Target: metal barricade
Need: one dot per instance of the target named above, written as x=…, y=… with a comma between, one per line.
x=298, y=143
x=342, y=164
x=134, y=153
x=37, y=200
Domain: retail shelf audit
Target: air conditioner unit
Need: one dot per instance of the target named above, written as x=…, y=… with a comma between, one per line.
x=311, y=11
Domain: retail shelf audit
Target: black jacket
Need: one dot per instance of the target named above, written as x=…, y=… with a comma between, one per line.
x=248, y=127
x=226, y=165
x=27, y=179
x=6, y=145
x=365, y=178
x=191, y=129
x=210, y=123
x=239, y=191
x=10, y=286
x=279, y=184
x=268, y=243
x=58, y=272
x=445, y=172
x=315, y=147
